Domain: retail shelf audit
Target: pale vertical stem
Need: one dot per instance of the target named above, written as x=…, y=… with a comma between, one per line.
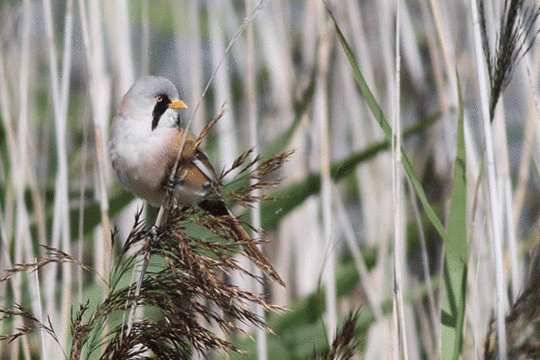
x=374, y=190
x=476, y=318
x=4, y=238
x=193, y=47
x=253, y=136
x=105, y=252
x=22, y=240
x=530, y=130
x=367, y=285
x=7, y=124
x=274, y=51
x=226, y=132
x=61, y=224
x=66, y=61
x=222, y=59
x=444, y=45
x=230, y=26
x=67, y=277
x=368, y=186
x=219, y=59
x=117, y=15
x=80, y=244
x=477, y=299
x=6, y=226
x=496, y=213
x=434, y=51
x=100, y=86
x=252, y=106
x=533, y=74
x=5, y=115
x=515, y=271
x=411, y=50
x=525, y=164
x=321, y=116
x=41, y=317
x=196, y=64
x=385, y=16
x=359, y=39
x=474, y=307
x=400, y=348
x=145, y=41
x=440, y=27
x=505, y=184
x=20, y=169
x=100, y=93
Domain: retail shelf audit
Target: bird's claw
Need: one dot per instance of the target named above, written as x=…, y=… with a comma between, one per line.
x=169, y=186
x=151, y=235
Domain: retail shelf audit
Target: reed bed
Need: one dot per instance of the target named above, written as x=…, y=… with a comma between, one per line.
x=395, y=192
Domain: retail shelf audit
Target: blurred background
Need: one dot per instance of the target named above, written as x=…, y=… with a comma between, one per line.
x=347, y=219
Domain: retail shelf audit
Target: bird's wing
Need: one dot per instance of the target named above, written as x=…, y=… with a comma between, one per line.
x=195, y=177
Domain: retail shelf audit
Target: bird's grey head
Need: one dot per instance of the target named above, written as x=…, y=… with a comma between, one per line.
x=152, y=99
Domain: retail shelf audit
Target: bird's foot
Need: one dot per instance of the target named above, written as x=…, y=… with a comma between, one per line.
x=151, y=235
x=169, y=186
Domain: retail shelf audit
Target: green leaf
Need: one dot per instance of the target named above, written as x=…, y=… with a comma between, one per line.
x=300, y=330
x=379, y=116
x=456, y=255
x=292, y=196
x=287, y=199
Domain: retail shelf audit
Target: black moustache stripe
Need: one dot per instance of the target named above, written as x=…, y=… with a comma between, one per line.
x=160, y=109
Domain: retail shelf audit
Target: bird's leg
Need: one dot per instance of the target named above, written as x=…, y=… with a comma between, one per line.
x=151, y=235
x=169, y=185
x=171, y=182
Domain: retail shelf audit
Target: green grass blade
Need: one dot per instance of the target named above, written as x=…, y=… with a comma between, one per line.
x=287, y=198
x=292, y=196
x=379, y=116
x=299, y=331
x=456, y=255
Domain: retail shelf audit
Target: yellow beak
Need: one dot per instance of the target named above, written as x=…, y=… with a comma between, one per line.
x=178, y=104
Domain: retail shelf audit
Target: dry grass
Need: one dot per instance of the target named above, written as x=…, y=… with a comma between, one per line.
x=64, y=67
x=187, y=288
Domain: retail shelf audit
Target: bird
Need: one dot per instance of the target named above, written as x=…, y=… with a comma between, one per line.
x=144, y=143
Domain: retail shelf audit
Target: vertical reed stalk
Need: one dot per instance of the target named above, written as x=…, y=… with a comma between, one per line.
x=22, y=232
x=321, y=115
x=61, y=233
x=262, y=353
x=507, y=202
x=496, y=213
x=226, y=131
x=368, y=285
x=117, y=19
x=99, y=89
x=399, y=254
x=193, y=46
x=145, y=41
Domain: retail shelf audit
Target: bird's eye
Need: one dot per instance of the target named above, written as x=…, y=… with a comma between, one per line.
x=159, y=98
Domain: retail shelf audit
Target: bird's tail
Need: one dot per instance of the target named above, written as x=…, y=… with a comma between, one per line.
x=251, y=248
